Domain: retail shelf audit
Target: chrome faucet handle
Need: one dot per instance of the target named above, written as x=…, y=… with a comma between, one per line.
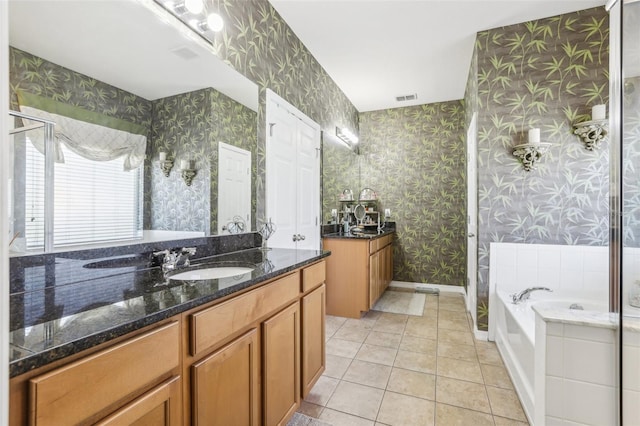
x=185, y=253
x=161, y=252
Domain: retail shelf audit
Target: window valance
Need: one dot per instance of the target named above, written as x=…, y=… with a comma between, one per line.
x=90, y=134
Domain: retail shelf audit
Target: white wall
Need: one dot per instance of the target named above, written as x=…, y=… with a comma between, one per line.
x=4, y=219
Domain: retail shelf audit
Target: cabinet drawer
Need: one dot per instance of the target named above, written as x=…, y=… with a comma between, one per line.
x=74, y=393
x=313, y=276
x=373, y=246
x=212, y=325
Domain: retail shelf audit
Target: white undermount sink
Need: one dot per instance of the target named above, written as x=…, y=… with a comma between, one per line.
x=211, y=273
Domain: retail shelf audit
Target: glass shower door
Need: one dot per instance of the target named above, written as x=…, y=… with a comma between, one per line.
x=630, y=171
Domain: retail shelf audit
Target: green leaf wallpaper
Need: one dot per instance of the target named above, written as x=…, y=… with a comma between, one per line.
x=414, y=158
x=190, y=126
x=546, y=74
x=41, y=77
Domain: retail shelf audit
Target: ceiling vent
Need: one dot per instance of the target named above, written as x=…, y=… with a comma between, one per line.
x=412, y=97
x=184, y=52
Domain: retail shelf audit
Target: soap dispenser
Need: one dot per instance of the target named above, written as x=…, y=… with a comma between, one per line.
x=345, y=226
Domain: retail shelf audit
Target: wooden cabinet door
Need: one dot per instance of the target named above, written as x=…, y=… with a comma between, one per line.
x=374, y=278
x=226, y=384
x=313, y=351
x=281, y=365
x=160, y=406
x=389, y=268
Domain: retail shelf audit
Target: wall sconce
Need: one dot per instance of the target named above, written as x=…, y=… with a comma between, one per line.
x=189, y=171
x=166, y=164
x=594, y=131
x=530, y=153
x=346, y=136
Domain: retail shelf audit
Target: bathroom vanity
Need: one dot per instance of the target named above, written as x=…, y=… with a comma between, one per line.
x=358, y=272
x=238, y=350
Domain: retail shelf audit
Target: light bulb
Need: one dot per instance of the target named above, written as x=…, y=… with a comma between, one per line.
x=215, y=22
x=194, y=6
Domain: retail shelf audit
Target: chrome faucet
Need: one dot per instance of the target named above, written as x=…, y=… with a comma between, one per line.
x=524, y=294
x=172, y=259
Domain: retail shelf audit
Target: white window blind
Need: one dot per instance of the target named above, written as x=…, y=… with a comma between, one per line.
x=94, y=201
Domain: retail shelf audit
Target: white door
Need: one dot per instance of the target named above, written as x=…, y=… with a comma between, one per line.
x=234, y=186
x=472, y=218
x=292, y=183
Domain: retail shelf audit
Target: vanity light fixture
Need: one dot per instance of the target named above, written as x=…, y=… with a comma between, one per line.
x=346, y=136
x=166, y=163
x=194, y=6
x=215, y=22
x=201, y=23
x=530, y=153
x=594, y=131
x=188, y=168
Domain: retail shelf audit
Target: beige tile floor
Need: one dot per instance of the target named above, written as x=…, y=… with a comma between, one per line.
x=394, y=369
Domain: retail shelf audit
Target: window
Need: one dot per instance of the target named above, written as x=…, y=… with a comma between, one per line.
x=93, y=201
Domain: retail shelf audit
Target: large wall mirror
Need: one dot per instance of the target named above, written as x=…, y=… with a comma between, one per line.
x=134, y=63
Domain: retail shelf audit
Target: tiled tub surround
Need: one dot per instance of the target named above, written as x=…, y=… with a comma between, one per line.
x=543, y=342
x=60, y=307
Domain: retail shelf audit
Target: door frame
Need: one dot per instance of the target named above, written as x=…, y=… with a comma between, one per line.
x=272, y=97
x=472, y=218
x=4, y=216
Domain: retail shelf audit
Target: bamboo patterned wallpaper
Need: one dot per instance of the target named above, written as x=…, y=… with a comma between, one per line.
x=41, y=77
x=190, y=126
x=414, y=158
x=547, y=74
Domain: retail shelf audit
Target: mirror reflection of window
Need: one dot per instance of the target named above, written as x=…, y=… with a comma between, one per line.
x=94, y=201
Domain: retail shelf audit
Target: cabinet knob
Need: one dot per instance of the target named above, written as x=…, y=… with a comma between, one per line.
x=301, y=237
x=471, y=235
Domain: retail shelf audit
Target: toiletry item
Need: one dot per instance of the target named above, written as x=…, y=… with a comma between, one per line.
x=534, y=135
x=345, y=227
x=634, y=294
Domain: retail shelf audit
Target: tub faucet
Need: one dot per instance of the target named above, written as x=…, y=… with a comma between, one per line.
x=524, y=294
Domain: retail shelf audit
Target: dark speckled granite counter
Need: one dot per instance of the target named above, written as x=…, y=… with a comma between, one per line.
x=360, y=236
x=62, y=304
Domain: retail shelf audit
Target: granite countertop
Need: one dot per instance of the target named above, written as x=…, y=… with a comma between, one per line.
x=92, y=302
x=360, y=236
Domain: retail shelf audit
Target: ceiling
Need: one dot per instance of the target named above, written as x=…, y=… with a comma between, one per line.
x=376, y=50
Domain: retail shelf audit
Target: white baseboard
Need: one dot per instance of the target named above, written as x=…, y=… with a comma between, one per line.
x=443, y=288
x=480, y=335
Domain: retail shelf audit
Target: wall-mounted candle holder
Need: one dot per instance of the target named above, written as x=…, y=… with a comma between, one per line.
x=530, y=153
x=166, y=164
x=188, y=171
x=594, y=131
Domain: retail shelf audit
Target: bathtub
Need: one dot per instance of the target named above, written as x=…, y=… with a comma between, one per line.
x=515, y=334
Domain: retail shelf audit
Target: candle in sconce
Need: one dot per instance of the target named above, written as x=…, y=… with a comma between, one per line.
x=599, y=112
x=163, y=156
x=184, y=164
x=534, y=135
